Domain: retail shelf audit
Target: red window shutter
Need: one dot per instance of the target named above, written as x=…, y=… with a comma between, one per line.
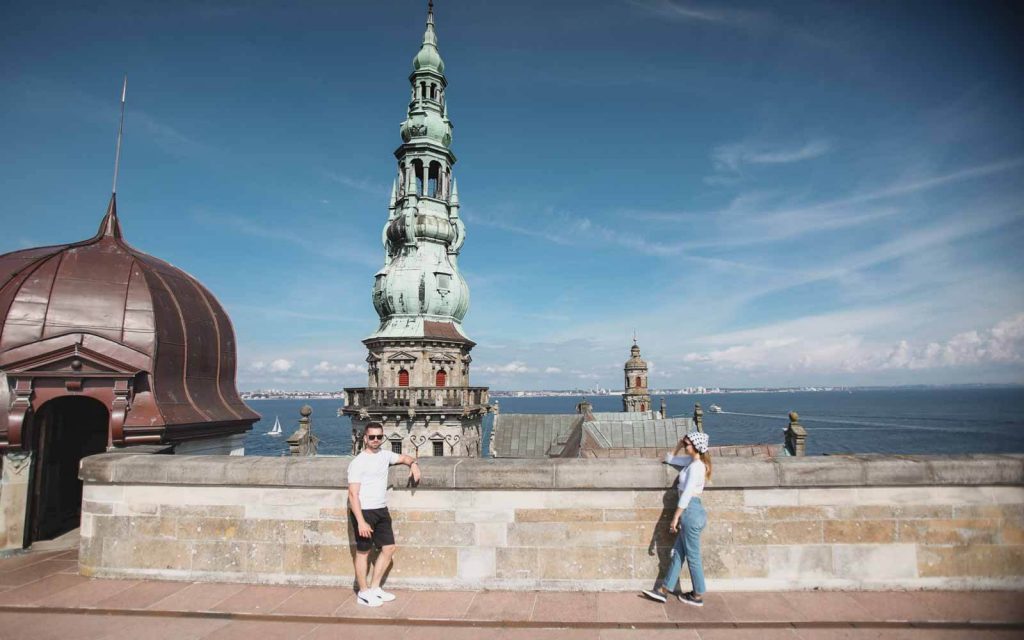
x=403, y=378
x=441, y=379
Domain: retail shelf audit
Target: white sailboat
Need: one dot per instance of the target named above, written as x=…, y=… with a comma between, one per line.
x=276, y=431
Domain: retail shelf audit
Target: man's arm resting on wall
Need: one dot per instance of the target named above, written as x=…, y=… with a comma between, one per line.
x=414, y=468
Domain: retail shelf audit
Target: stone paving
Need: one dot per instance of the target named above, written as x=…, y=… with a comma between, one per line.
x=42, y=596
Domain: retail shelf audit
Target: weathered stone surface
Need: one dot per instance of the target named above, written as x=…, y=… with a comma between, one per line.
x=859, y=531
x=833, y=471
x=883, y=512
x=477, y=563
x=976, y=470
x=559, y=515
x=797, y=513
x=585, y=563
x=936, y=531
x=425, y=562
x=491, y=534
x=584, y=473
x=445, y=534
x=613, y=534
x=978, y=560
x=895, y=470
x=791, y=562
x=413, y=515
x=782, y=532
x=874, y=561
x=505, y=474
x=517, y=563
x=538, y=534
x=628, y=515
x=734, y=561
x=749, y=472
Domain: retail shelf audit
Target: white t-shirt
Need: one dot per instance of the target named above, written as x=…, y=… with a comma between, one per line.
x=691, y=478
x=370, y=470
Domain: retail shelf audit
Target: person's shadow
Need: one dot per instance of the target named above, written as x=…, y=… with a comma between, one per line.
x=662, y=537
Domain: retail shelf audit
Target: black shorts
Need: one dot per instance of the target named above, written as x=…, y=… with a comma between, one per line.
x=380, y=521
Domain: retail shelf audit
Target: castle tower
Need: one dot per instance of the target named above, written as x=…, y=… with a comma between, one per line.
x=419, y=358
x=636, y=397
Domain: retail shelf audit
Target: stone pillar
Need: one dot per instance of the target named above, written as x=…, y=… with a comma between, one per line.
x=303, y=442
x=14, y=495
x=796, y=436
x=698, y=417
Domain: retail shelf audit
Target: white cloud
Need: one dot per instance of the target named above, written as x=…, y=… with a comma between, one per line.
x=326, y=367
x=280, y=366
x=552, y=370
x=512, y=367
x=733, y=157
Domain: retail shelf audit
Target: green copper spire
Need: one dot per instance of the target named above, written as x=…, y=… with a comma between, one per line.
x=420, y=282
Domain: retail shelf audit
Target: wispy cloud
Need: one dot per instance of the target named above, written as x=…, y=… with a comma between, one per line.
x=733, y=157
x=688, y=12
x=359, y=184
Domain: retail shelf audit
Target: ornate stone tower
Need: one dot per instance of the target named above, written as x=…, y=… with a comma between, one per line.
x=419, y=356
x=636, y=397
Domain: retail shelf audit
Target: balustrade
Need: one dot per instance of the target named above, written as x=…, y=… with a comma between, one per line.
x=415, y=397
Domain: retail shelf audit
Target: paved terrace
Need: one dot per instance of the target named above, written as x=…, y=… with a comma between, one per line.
x=42, y=596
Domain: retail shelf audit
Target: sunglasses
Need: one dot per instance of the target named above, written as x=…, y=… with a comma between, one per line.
x=377, y=436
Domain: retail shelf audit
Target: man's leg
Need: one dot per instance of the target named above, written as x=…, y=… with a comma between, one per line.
x=380, y=566
x=362, y=562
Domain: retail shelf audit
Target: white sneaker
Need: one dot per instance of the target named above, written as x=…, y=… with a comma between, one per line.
x=383, y=595
x=369, y=599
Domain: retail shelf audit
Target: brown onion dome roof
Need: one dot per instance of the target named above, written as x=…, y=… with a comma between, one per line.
x=103, y=287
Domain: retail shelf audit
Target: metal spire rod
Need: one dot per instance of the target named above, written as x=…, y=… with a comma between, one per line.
x=120, y=131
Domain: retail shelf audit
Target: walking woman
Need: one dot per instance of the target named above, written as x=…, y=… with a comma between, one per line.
x=689, y=519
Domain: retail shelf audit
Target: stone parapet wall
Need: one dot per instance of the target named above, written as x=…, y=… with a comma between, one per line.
x=857, y=522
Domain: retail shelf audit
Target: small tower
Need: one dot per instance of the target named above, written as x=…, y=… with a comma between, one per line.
x=418, y=382
x=636, y=397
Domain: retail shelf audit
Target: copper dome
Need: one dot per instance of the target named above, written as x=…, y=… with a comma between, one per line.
x=101, y=307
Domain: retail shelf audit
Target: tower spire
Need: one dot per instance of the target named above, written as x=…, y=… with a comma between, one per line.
x=109, y=226
x=120, y=131
x=429, y=36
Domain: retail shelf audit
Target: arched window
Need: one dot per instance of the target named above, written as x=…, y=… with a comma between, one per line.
x=433, y=91
x=643, y=407
x=433, y=179
x=403, y=378
x=441, y=378
x=637, y=383
x=417, y=167
x=423, y=89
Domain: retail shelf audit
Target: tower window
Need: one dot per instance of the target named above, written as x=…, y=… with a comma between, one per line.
x=423, y=89
x=637, y=383
x=403, y=378
x=438, y=448
x=444, y=281
x=396, y=446
x=417, y=167
x=434, y=179
x=440, y=379
x=433, y=91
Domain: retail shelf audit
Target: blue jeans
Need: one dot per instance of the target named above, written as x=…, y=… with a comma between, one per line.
x=687, y=547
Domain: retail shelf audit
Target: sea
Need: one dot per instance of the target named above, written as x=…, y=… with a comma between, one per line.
x=945, y=421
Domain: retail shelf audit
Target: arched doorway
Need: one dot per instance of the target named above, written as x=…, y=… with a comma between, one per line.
x=65, y=430
x=403, y=378
x=441, y=378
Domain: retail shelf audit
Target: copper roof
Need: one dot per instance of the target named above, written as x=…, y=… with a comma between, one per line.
x=443, y=331
x=104, y=287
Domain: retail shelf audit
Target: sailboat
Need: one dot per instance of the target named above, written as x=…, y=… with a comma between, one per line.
x=276, y=431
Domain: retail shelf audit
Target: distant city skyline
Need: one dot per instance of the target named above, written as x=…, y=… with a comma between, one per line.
x=790, y=194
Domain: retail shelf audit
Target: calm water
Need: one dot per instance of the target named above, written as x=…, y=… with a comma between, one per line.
x=927, y=421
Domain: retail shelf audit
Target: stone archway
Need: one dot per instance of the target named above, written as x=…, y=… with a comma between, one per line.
x=64, y=430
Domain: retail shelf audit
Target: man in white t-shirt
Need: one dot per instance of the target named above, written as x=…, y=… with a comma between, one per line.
x=368, y=511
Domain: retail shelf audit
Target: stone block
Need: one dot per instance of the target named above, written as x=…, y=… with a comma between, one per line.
x=975, y=560
x=426, y=534
x=219, y=556
x=323, y=532
x=517, y=563
x=896, y=470
x=102, y=493
x=208, y=529
x=734, y=562
x=859, y=531
x=435, y=473
x=90, y=552
x=977, y=470
x=612, y=534
x=137, y=470
x=505, y=474
x=804, y=562
x=559, y=515
x=746, y=472
x=831, y=471
x=135, y=509
x=204, y=470
x=935, y=531
x=630, y=515
x=425, y=562
x=585, y=563
x=151, y=527
x=97, y=469
x=202, y=510
x=772, y=514
x=771, y=497
x=590, y=474
x=717, y=532
x=1012, y=531
x=317, y=560
x=885, y=512
x=715, y=498
x=484, y=515
x=755, y=514
x=265, y=557
x=477, y=563
x=652, y=499
x=875, y=561
x=258, y=471
x=836, y=496
x=316, y=472
x=491, y=534
x=98, y=508
x=788, y=532
x=414, y=515
x=650, y=563
x=538, y=534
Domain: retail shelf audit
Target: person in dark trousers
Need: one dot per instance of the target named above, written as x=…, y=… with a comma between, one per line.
x=368, y=511
x=689, y=519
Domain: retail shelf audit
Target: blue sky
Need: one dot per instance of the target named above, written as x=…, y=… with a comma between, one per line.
x=768, y=194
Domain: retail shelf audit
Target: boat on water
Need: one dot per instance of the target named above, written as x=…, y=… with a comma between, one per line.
x=715, y=409
x=276, y=430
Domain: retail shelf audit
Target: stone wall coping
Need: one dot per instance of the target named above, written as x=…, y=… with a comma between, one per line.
x=504, y=473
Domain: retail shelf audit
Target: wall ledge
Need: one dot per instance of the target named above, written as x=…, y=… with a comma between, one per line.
x=504, y=473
